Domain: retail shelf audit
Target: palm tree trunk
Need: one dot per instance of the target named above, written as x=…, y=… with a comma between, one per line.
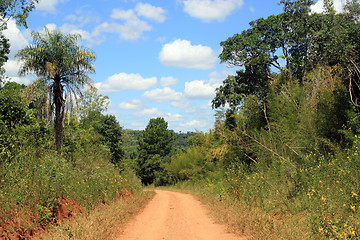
x=59, y=102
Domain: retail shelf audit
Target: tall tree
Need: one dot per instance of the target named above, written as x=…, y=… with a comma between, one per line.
x=112, y=134
x=302, y=39
x=155, y=143
x=62, y=66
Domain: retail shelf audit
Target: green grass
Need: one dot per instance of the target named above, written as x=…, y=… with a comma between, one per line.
x=34, y=181
x=319, y=199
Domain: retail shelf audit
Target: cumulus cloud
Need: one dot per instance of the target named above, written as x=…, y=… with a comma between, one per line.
x=12, y=67
x=123, y=81
x=318, y=7
x=17, y=42
x=17, y=39
x=209, y=10
x=195, y=124
x=131, y=29
x=150, y=112
x=182, y=104
x=82, y=18
x=168, y=81
x=162, y=95
x=20, y=80
x=138, y=125
x=125, y=23
x=48, y=5
x=200, y=89
x=90, y=38
x=150, y=12
x=134, y=104
x=204, y=89
x=181, y=53
x=169, y=117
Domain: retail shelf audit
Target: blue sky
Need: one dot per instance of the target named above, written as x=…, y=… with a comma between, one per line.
x=154, y=58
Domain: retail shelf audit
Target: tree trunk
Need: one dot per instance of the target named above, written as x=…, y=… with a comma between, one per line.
x=59, y=102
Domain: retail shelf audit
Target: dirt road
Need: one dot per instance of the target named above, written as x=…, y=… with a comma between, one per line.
x=174, y=216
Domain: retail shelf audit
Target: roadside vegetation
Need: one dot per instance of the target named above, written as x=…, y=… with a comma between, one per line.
x=59, y=154
x=282, y=161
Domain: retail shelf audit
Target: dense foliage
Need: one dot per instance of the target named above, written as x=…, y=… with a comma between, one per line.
x=61, y=66
x=154, y=145
x=286, y=145
x=34, y=179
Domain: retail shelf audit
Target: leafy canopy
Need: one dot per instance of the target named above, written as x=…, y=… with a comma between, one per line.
x=291, y=44
x=61, y=66
x=155, y=144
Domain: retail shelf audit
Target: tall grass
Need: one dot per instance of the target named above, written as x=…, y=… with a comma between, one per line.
x=278, y=199
x=36, y=179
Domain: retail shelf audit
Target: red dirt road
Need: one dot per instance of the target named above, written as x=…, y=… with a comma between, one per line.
x=174, y=216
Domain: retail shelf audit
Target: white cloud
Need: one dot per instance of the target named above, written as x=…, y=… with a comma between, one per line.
x=173, y=117
x=12, y=67
x=194, y=124
x=209, y=10
x=138, y=125
x=134, y=104
x=17, y=39
x=123, y=81
x=50, y=27
x=204, y=89
x=130, y=30
x=181, y=53
x=126, y=15
x=200, y=89
x=71, y=28
x=318, y=7
x=182, y=104
x=48, y=5
x=162, y=95
x=150, y=12
x=19, y=80
x=17, y=42
x=168, y=81
x=155, y=112
x=82, y=17
x=150, y=112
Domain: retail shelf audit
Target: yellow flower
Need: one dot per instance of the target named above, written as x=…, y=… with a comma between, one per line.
x=352, y=207
x=321, y=229
x=354, y=194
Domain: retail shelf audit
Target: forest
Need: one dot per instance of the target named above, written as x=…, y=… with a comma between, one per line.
x=282, y=159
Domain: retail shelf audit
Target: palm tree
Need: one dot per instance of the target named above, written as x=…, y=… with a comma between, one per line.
x=61, y=65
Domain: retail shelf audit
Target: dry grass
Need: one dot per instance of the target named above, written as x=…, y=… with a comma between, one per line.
x=105, y=222
x=250, y=221
x=254, y=223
